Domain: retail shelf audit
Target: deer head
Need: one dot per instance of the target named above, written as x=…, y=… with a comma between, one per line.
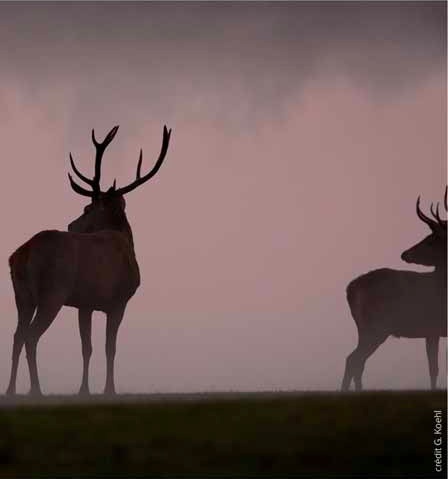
x=107, y=209
x=432, y=250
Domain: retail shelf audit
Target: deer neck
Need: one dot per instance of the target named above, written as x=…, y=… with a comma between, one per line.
x=121, y=224
x=440, y=276
x=127, y=231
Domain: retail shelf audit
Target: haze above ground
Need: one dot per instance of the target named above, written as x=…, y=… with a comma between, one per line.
x=302, y=136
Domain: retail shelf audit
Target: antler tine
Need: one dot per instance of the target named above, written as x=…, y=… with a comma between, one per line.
x=100, y=148
x=437, y=215
x=139, y=165
x=79, y=189
x=80, y=175
x=139, y=180
x=430, y=222
x=95, y=181
x=109, y=137
x=443, y=222
x=434, y=212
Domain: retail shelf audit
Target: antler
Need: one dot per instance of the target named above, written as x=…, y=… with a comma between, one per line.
x=435, y=213
x=95, y=181
x=100, y=148
x=445, y=199
x=139, y=180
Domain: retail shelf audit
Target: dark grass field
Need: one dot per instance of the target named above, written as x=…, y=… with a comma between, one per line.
x=369, y=434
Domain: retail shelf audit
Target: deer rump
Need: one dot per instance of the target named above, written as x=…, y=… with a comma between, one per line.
x=378, y=303
x=90, y=270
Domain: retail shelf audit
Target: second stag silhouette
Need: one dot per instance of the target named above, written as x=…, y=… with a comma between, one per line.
x=406, y=304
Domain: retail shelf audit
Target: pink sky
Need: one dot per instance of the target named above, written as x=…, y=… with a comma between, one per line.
x=246, y=239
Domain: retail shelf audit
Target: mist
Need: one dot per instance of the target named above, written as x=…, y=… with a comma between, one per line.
x=303, y=134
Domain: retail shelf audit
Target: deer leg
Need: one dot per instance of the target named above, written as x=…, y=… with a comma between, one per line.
x=432, y=351
x=45, y=315
x=352, y=364
x=348, y=373
x=113, y=322
x=364, y=351
x=355, y=362
x=85, y=331
x=25, y=314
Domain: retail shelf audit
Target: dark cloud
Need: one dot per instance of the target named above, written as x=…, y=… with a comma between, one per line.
x=238, y=59
x=246, y=240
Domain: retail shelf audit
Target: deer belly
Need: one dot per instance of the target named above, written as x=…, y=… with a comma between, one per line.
x=90, y=299
x=418, y=322
x=102, y=289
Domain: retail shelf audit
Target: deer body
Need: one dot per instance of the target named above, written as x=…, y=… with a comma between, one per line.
x=389, y=298
x=96, y=270
x=92, y=267
x=388, y=302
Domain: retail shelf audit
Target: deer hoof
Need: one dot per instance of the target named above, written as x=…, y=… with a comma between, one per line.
x=35, y=393
x=109, y=392
x=84, y=391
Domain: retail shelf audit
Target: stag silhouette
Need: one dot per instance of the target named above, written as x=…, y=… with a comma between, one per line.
x=407, y=304
x=91, y=267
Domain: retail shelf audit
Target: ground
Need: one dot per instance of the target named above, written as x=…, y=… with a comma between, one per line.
x=312, y=435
